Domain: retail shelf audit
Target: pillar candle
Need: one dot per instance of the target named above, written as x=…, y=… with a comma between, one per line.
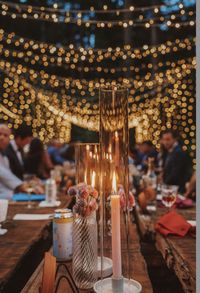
x=116, y=236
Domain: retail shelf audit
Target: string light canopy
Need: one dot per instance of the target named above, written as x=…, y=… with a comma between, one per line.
x=160, y=77
x=77, y=17
x=172, y=90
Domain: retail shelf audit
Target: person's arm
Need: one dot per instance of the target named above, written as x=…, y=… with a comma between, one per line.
x=8, y=179
x=57, y=158
x=190, y=189
x=47, y=161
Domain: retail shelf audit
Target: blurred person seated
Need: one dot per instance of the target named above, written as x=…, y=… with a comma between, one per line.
x=177, y=169
x=38, y=161
x=15, y=149
x=8, y=181
x=191, y=187
x=148, y=150
x=145, y=197
x=54, y=151
x=69, y=153
x=135, y=157
x=161, y=157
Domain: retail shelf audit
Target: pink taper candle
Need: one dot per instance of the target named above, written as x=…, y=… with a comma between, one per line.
x=116, y=237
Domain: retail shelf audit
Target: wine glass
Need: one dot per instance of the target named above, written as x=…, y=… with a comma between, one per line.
x=169, y=194
x=29, y=179
x=3, y=214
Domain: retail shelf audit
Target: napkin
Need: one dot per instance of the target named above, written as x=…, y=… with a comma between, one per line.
x=192, y=223
x=27, y=197
x=183, y=203
x=174, y=224
x=32, y=216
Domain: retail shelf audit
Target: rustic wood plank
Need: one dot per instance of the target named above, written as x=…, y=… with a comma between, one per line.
x=179, y=253
x=23, y=246
x=138, y=269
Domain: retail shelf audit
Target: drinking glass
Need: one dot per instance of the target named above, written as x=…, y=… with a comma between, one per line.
x=57, y=176
x=30, y=181
x=3, y=214
x=169, y=194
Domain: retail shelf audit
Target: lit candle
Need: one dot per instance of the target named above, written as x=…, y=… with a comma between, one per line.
x=85, y=177
x=93, y=179
x=116, y=237
x=116, y=149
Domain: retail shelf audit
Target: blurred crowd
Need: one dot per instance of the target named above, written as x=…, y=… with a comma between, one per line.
x=25, y=154
x=171, y=164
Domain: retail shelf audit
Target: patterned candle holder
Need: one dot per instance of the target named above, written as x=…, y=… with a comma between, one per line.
x=84, y=262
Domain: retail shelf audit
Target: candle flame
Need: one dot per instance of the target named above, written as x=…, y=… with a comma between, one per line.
x=93, y=179
x=114, y=183
x=116, y=135
x=110, y=148
x=85, y=177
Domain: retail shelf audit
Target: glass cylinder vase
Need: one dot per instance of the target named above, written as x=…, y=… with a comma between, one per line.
x=87, y=163
x=84, y=264
x=114, y=189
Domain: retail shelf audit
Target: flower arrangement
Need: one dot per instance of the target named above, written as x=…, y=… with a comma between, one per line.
x=86, y=199
x=131, y=199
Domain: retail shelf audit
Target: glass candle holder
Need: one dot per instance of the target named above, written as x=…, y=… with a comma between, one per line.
x=114, y=183
x=87, y=163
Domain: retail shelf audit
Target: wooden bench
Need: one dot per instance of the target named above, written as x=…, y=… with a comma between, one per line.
x=178, y=253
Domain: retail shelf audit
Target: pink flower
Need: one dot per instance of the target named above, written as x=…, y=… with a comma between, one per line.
x=86, y=199
x=94, y=193
x=84, y=193
x=131, y=199
x=72, y=191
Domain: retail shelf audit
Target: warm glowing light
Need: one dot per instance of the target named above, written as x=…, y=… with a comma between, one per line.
x=93, y=179
x=114, y=183
x=116, y=135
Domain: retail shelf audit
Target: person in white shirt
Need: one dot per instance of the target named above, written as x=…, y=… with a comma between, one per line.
x=8, y=181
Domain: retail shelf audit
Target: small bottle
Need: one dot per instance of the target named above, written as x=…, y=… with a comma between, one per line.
x=151, y=173
x=50, y=189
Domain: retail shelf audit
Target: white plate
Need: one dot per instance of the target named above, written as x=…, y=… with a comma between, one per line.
x=105, y=286
x=31, y=217
x=192, y=223
x=107, y=267
x=151, y=208
x=45, y=204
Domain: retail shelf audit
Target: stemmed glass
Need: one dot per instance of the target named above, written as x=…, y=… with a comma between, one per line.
x=29, y=180
x=169, y=194
x=3, y=214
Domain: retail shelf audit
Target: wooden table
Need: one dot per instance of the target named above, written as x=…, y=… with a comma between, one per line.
x=179, y=253
x=137, y=267
x=22, y=247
